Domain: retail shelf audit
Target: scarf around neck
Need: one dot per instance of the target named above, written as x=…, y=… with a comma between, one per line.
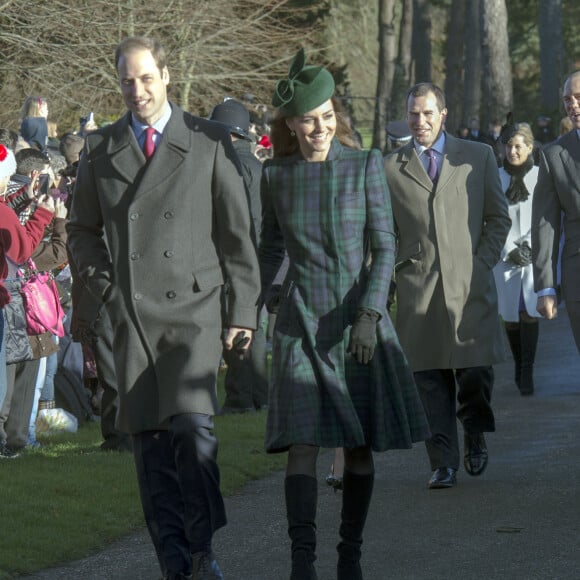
x=517, y=191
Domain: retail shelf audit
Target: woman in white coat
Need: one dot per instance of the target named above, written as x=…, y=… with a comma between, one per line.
x=513, y=274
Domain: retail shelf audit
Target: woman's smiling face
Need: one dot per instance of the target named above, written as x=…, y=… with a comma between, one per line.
x=517, y=151
x=315, y=131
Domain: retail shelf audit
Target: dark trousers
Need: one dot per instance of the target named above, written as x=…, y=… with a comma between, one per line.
x=246, y=381
x=102, y=348
x=178, y=480
x=573, y=310
x=438, y=388
x=17, y=406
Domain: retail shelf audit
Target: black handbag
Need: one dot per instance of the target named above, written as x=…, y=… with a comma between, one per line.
x=17, y=344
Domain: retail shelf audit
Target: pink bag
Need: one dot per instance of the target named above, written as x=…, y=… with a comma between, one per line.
x=41, y=302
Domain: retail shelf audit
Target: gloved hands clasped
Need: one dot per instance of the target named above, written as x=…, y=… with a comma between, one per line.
x=363, y=335
x=521, y=255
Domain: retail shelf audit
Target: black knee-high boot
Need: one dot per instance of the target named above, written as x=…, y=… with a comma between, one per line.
x=512, y=330
x=529, y=333
x=301, y=500
x=356, y=497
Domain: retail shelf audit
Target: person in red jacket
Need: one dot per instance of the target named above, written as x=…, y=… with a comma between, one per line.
x=17, y=242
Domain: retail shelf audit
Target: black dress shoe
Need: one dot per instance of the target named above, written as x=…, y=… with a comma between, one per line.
x=442, y=478
x=475, y=453
x=205, y=567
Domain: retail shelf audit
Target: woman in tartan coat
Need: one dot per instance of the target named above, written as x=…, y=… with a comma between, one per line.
x=339, y=376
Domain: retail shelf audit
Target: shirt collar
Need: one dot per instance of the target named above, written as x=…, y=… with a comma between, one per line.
x=159, y=125
x=438, y=146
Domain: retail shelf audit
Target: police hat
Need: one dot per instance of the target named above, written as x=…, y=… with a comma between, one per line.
x=235, y=116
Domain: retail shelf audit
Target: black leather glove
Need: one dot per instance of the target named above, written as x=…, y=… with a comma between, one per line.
x=363, y=335
x=521, y=255
x=239, y=343
x=273, y=299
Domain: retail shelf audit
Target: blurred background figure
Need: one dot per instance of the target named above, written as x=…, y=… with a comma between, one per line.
x=566, y=125
x=264, y=149
x=87, y=125
x=475, y=133
x=513, y=274
x=34, y=125
x=544, y=132
x=463, y=132
x=70, y=148
x=495, y=141
x=398, y=134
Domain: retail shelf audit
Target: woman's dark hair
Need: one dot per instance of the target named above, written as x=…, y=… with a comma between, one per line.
x=285, y=144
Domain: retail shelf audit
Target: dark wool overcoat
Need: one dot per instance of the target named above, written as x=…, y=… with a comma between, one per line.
x=326, y=215
x=556, y=210
x=449, y=239
x=155, y=241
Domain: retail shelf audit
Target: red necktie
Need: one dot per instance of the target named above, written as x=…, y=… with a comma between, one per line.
x=149, y=147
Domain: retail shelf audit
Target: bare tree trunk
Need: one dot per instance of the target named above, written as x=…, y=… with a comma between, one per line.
x=454, y=66
x=422, y=40
x=386, y=70
x=551, y=54
x=473, y=68
x=402, y=80
x=499, y=101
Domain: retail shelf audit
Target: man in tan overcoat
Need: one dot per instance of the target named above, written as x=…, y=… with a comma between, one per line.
x=451, y=218
x=159, y=219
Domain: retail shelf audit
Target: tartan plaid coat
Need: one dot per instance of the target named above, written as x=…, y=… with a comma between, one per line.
x=326, y=216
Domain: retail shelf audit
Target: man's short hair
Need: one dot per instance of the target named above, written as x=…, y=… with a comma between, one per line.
x=133, y=43
x=8, y=138
x=29, y=160
x=422, y=89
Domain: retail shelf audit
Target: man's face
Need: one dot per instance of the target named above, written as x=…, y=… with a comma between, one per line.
x=571, y=98
x=425, y=119
x=143, y=85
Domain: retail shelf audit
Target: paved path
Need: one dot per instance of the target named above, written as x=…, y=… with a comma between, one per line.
x=519, y=521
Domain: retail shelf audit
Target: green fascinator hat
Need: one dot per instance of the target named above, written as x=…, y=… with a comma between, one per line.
x=306, y=88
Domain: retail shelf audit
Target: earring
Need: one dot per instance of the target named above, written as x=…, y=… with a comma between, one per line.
x=292, y=134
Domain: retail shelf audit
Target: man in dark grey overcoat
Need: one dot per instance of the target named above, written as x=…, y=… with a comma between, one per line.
x=556, y=209
x=159, y=219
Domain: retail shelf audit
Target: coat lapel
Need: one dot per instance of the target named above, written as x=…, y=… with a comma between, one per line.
x=128, y=159
x=170, y=153
x=123, y=150
x=451, y=161
x=411, y=166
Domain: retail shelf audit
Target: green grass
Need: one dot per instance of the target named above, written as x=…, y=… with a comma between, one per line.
x=68, y=499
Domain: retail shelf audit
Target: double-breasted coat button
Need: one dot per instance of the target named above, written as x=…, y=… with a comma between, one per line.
x=135, y=256
x=168, y=253
x=168, y=215
x=137, y=296
x=134, y=216
x=171, y=294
